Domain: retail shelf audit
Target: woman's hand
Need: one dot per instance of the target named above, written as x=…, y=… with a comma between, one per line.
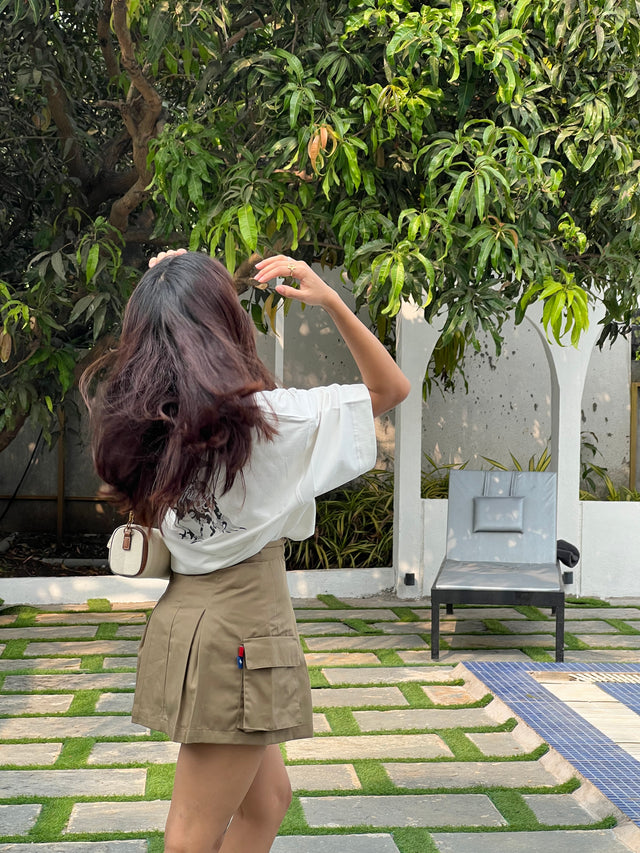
x=162, y=255
x=312, y=289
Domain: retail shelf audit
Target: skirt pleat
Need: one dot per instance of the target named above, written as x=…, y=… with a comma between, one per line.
x=190, y=684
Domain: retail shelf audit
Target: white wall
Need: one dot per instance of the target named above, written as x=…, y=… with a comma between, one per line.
x=508, y=406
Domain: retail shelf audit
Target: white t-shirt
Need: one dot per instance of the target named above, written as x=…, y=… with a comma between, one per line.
x=326, y=437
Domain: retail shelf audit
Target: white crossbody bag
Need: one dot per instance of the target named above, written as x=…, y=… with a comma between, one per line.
x=136, y=551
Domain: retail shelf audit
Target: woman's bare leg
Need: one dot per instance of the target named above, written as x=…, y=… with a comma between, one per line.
x=257, y=820
x=212, y=780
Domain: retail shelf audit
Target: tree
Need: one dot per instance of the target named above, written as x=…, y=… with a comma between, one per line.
x=473, y=156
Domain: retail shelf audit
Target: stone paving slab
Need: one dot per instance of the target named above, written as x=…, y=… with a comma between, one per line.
x=603, y=655
x=554, y=841
x=453, y=657
x=341, y=659
x=56, y=703
x=467, y=626
x=367, y=614
x=50, y=728
x=86, y=681
x=378, y=641
x=558, y=809
x=136, y=752
x=119, y=663
x=388, y=674
x=382, y=599
x=421, y=718
x=310, y=629
x=502, y=744
x=323, y=777
x=89, y=618
x=115, y=703
x=473, y=613
x=450, y=694
x=470, y=774
x=18, y=819
x=549, y=627
x=145, y=816
x=502, y=641
x=619, y=641
x=370, y=843
x=351, y=697
x=40, y=663
x=128, y=782
x=371, y=746
x=409, y=810
x=78, y=847
x=130, y=631
x=623, y=613
x=24, y=754
x=86, y=647
x=48, y=633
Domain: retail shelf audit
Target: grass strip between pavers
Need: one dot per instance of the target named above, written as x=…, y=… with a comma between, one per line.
x=621, y=626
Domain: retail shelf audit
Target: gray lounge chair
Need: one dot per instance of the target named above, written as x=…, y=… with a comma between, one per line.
x=501, y=546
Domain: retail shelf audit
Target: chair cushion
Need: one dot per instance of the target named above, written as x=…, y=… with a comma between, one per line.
x=529, y=577
x=498, y=514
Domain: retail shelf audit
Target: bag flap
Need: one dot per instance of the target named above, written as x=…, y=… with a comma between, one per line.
x=266, y=652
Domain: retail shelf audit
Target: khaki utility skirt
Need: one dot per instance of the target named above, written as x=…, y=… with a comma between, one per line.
x=220, y=660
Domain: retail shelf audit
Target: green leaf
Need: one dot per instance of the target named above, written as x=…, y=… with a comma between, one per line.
x=294, y=106
x=230, y=251
x=58, y=265
x=248, y=227
x=81, y=306
x=92, y=261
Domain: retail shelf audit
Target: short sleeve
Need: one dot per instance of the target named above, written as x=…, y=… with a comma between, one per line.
x=343, y=442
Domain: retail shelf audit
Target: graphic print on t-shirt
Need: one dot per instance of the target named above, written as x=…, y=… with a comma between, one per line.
x=203, y=522
x=203, y=519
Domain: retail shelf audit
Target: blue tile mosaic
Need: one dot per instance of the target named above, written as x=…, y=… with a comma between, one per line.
x=612, y=770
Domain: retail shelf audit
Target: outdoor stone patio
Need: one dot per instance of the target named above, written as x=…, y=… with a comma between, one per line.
x=408, y=757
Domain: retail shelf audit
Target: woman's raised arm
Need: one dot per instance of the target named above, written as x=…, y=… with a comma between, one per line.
x=387, y=384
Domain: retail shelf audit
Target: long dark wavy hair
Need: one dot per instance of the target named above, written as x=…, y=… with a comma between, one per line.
x=173, y=407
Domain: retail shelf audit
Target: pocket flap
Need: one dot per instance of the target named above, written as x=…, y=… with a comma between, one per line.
x=264, y=652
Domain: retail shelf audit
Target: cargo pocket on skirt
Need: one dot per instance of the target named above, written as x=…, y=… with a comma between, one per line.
x=271, y=684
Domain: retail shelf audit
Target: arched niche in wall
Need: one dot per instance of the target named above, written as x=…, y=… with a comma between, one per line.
x=506, y=409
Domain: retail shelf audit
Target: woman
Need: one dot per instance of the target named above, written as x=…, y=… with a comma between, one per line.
x=191, y=433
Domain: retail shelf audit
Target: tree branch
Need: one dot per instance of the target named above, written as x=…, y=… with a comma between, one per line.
x=140, y=115
x=103, y=30
x=7, y=435
x=109, y=185
x=253, y=25
x=61, y=115
x=128, y=56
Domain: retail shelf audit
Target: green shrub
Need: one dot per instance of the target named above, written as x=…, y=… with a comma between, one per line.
x=354, y=525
